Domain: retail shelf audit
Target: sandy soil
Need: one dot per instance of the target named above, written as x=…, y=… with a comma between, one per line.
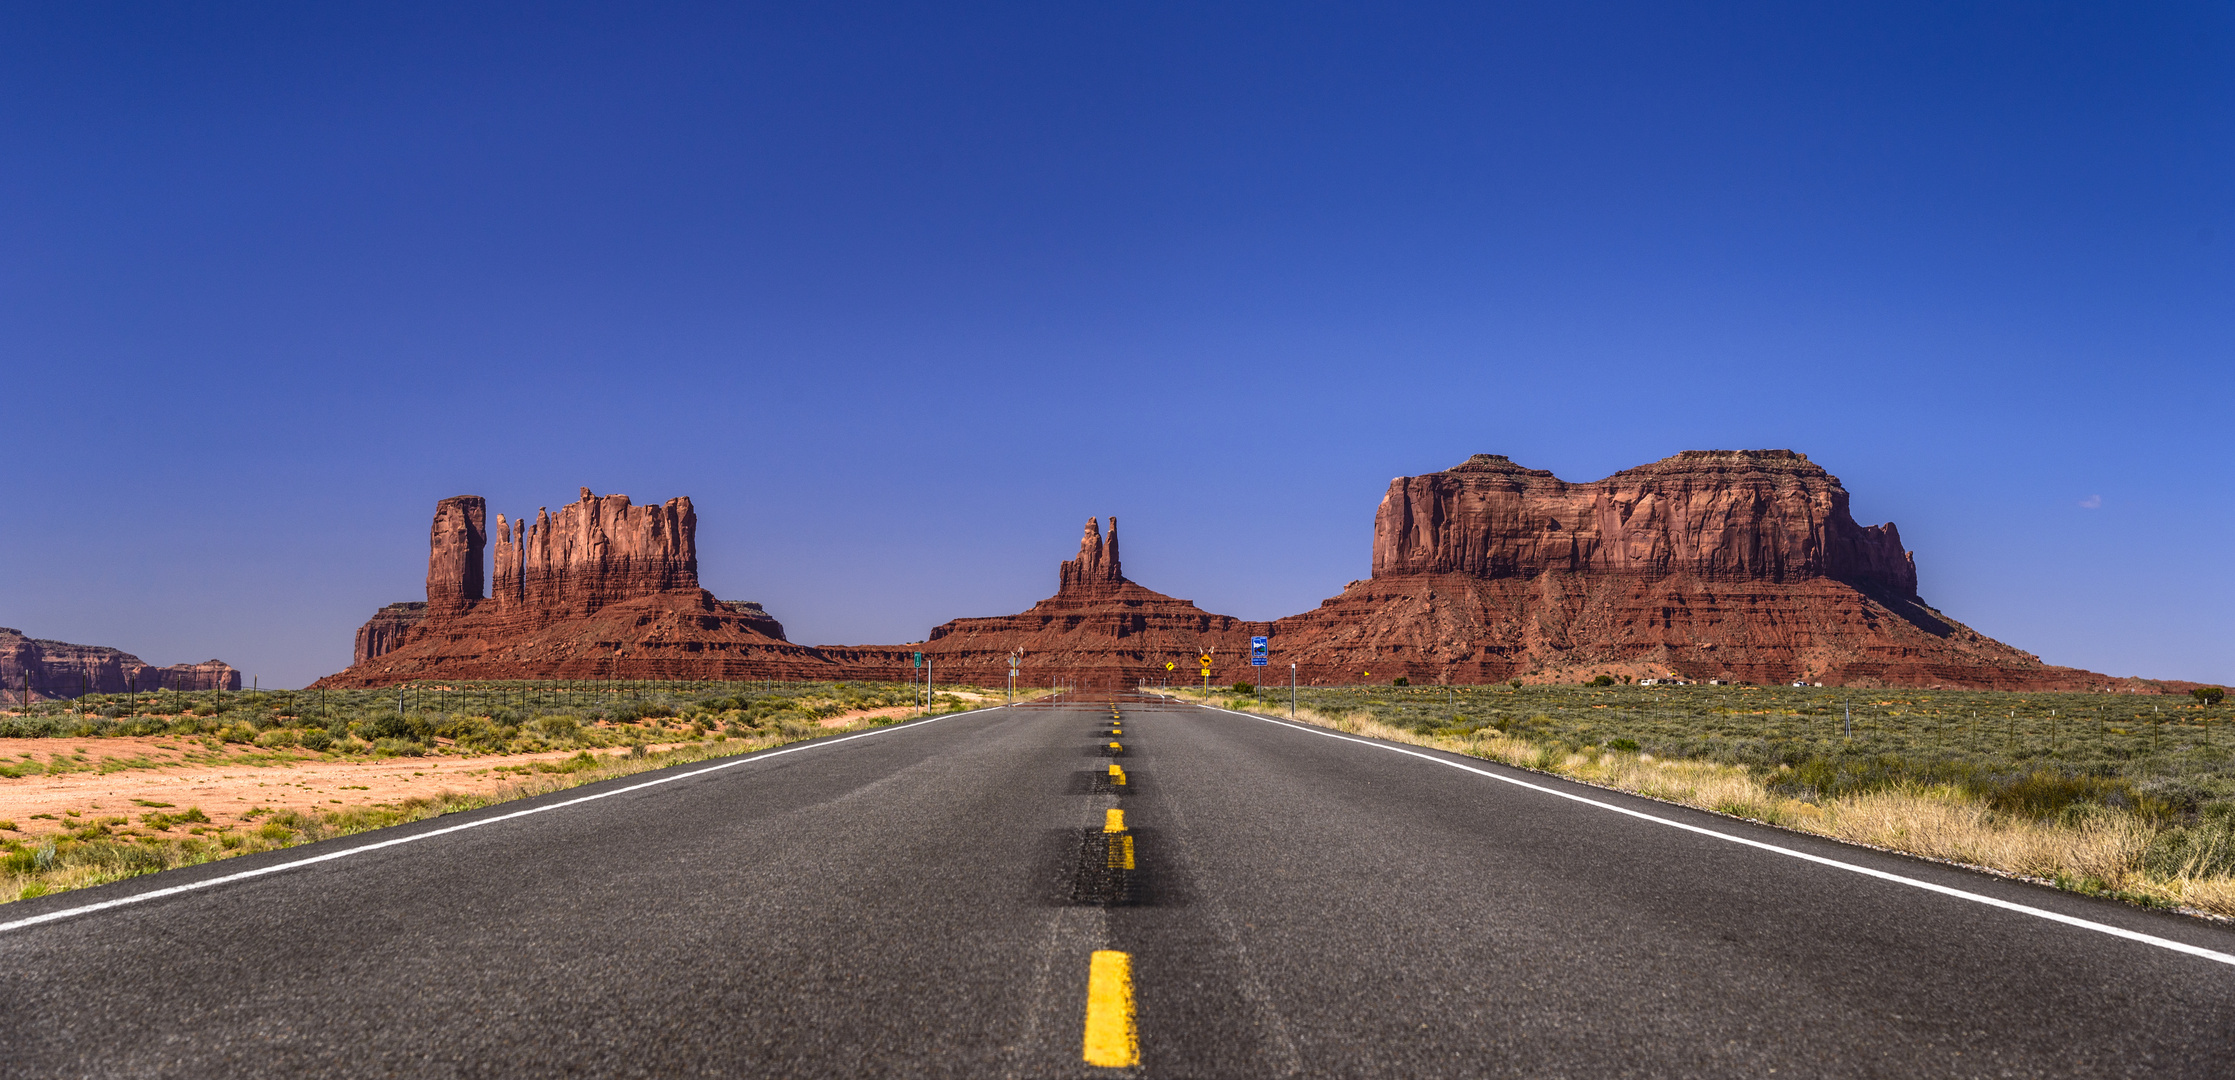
x=227, y=784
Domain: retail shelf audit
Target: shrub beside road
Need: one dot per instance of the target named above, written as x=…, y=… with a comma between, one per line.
x=2125, y=795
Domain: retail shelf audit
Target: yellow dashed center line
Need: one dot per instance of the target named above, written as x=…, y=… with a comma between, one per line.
x=1117, y=775
x=1111, y=1041
x=1113, y=821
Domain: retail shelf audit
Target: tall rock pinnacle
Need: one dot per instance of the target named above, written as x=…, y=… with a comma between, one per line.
x=454, y=547
x=1097, y=567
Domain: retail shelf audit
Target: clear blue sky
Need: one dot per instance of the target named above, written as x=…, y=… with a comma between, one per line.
x=901, y=295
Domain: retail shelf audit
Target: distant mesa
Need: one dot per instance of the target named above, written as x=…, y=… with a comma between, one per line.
x=1733, y=565
x=1098, y=624
x=46, y=670
x=1740, y=565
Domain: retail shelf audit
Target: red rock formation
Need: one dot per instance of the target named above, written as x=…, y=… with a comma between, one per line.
x=454, y=546
x=1740, y=565
x=602, y=550
x=388, y=628
x=56, y=669
x=666, y=635
x=1099, y=628
x=1096, y=569
x=1713, y=515
x=755, y=616
x=599, y=589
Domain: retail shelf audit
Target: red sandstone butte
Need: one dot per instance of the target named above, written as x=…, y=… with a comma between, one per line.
x=1099, y=629
x=1740, y=565
x=599, y=589
x=1714, y=564
x=58, y=669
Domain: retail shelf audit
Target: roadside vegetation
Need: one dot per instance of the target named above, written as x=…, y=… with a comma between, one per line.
x=2129, y=796
x=615, y=729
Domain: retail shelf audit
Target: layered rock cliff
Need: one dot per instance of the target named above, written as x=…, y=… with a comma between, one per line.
x=57, y=669
x=597, y=551
x=1713, y=515
x=1715, y=564
x=600, y=588
x=454, y=554
x=1740, y=565
x=388, y=629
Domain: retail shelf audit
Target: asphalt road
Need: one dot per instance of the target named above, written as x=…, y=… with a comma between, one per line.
x=925, y=901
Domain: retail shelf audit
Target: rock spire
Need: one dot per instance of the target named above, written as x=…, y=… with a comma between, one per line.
x=1096, y=568
x=454, y=554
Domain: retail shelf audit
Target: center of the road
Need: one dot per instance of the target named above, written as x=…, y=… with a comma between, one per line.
x=1112, y=1038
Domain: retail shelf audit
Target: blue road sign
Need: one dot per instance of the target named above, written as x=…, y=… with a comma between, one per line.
x=1257, y=661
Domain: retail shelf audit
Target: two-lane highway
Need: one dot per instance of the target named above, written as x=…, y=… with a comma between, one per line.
x=931, y=899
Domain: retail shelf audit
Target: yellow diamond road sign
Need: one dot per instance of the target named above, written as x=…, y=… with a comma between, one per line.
x=1168, y=665
x=1205, y=659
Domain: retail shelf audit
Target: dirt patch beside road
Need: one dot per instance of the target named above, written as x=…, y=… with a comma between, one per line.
x=60, y=784
x=166, y=775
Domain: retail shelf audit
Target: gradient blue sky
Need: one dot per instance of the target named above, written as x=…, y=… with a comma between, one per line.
x=901, y=294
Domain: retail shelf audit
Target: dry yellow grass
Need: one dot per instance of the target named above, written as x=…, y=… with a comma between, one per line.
x=2101, y=852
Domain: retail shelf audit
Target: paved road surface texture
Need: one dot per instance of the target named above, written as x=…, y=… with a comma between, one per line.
x=952, y=898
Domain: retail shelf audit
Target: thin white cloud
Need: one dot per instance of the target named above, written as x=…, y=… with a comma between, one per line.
x=2092, y=502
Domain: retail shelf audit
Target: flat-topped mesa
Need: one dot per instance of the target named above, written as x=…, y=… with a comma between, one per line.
x=1713, y=515
x=34, y=669
x=1096, y=569
x=596, y=551
x=454, y=547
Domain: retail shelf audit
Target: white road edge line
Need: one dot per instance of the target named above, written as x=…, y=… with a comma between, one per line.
x=1915, y=883
x=743, y=759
